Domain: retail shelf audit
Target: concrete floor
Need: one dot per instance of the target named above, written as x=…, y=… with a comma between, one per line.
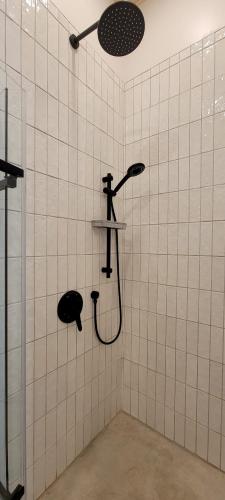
x=128, y=461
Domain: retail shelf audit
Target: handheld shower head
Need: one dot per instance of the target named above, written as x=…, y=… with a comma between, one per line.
x=132, y=171
x=135, y=169
x=120, y=29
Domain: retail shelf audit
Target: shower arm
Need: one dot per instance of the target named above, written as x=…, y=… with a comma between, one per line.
x=121, y=183
x=74, y=40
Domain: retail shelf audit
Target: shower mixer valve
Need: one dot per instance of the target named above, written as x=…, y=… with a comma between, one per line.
x=70, y=307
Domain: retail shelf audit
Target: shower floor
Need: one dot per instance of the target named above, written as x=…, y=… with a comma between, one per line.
x=129, y=461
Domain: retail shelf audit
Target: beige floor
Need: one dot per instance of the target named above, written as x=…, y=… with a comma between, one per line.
x=128, y=461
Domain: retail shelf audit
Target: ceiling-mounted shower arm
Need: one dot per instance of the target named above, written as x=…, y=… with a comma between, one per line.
x=74, y=40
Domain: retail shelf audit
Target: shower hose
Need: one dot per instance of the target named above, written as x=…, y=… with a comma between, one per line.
x=95, y=295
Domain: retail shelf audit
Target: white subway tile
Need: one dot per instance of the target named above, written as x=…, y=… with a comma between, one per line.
x=13, y=45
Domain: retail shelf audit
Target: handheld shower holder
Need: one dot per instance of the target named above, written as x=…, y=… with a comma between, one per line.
x=109, y=192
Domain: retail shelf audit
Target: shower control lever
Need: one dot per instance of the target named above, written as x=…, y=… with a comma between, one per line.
x=70, y=307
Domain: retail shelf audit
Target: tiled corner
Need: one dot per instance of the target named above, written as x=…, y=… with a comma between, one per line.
x=175, y=233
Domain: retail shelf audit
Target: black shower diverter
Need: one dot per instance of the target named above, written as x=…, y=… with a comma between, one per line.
x=70, y=307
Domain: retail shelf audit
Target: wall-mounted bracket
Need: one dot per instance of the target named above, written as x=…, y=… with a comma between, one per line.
x=12, y=172
x=75, y=40
x=8, y=182
x=10, y=169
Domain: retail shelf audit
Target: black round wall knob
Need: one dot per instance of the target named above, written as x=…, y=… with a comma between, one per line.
x=70, y=307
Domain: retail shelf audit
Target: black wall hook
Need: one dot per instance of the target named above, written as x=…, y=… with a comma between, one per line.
x=70, y=307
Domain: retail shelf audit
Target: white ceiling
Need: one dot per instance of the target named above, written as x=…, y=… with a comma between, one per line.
x=138, y=2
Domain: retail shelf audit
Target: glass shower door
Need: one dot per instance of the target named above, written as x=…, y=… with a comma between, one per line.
x=12, y=327
x=3, y=457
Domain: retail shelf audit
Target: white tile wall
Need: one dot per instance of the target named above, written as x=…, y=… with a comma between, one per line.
x=74, y=136
x=174, y=249
x=173, y=349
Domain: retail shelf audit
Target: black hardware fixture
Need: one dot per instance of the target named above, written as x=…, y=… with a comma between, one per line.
x=12, y=172
x=108, y=179
x=10, y=169
x=16, y=495
x=120, y=29
x=70, y=307
x=74, y=40
x=132, y=171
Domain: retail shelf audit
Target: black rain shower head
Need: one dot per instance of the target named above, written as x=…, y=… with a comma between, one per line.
x=120, y=29
x=132, y=171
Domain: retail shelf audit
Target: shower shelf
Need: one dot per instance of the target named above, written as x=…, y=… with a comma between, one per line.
x=108, y=224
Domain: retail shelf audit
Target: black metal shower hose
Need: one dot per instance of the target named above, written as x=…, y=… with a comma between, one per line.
x=95, y=295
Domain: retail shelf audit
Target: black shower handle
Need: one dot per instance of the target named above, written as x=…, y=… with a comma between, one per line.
x=78, y=322
x=78, y=306
x=70, y=307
